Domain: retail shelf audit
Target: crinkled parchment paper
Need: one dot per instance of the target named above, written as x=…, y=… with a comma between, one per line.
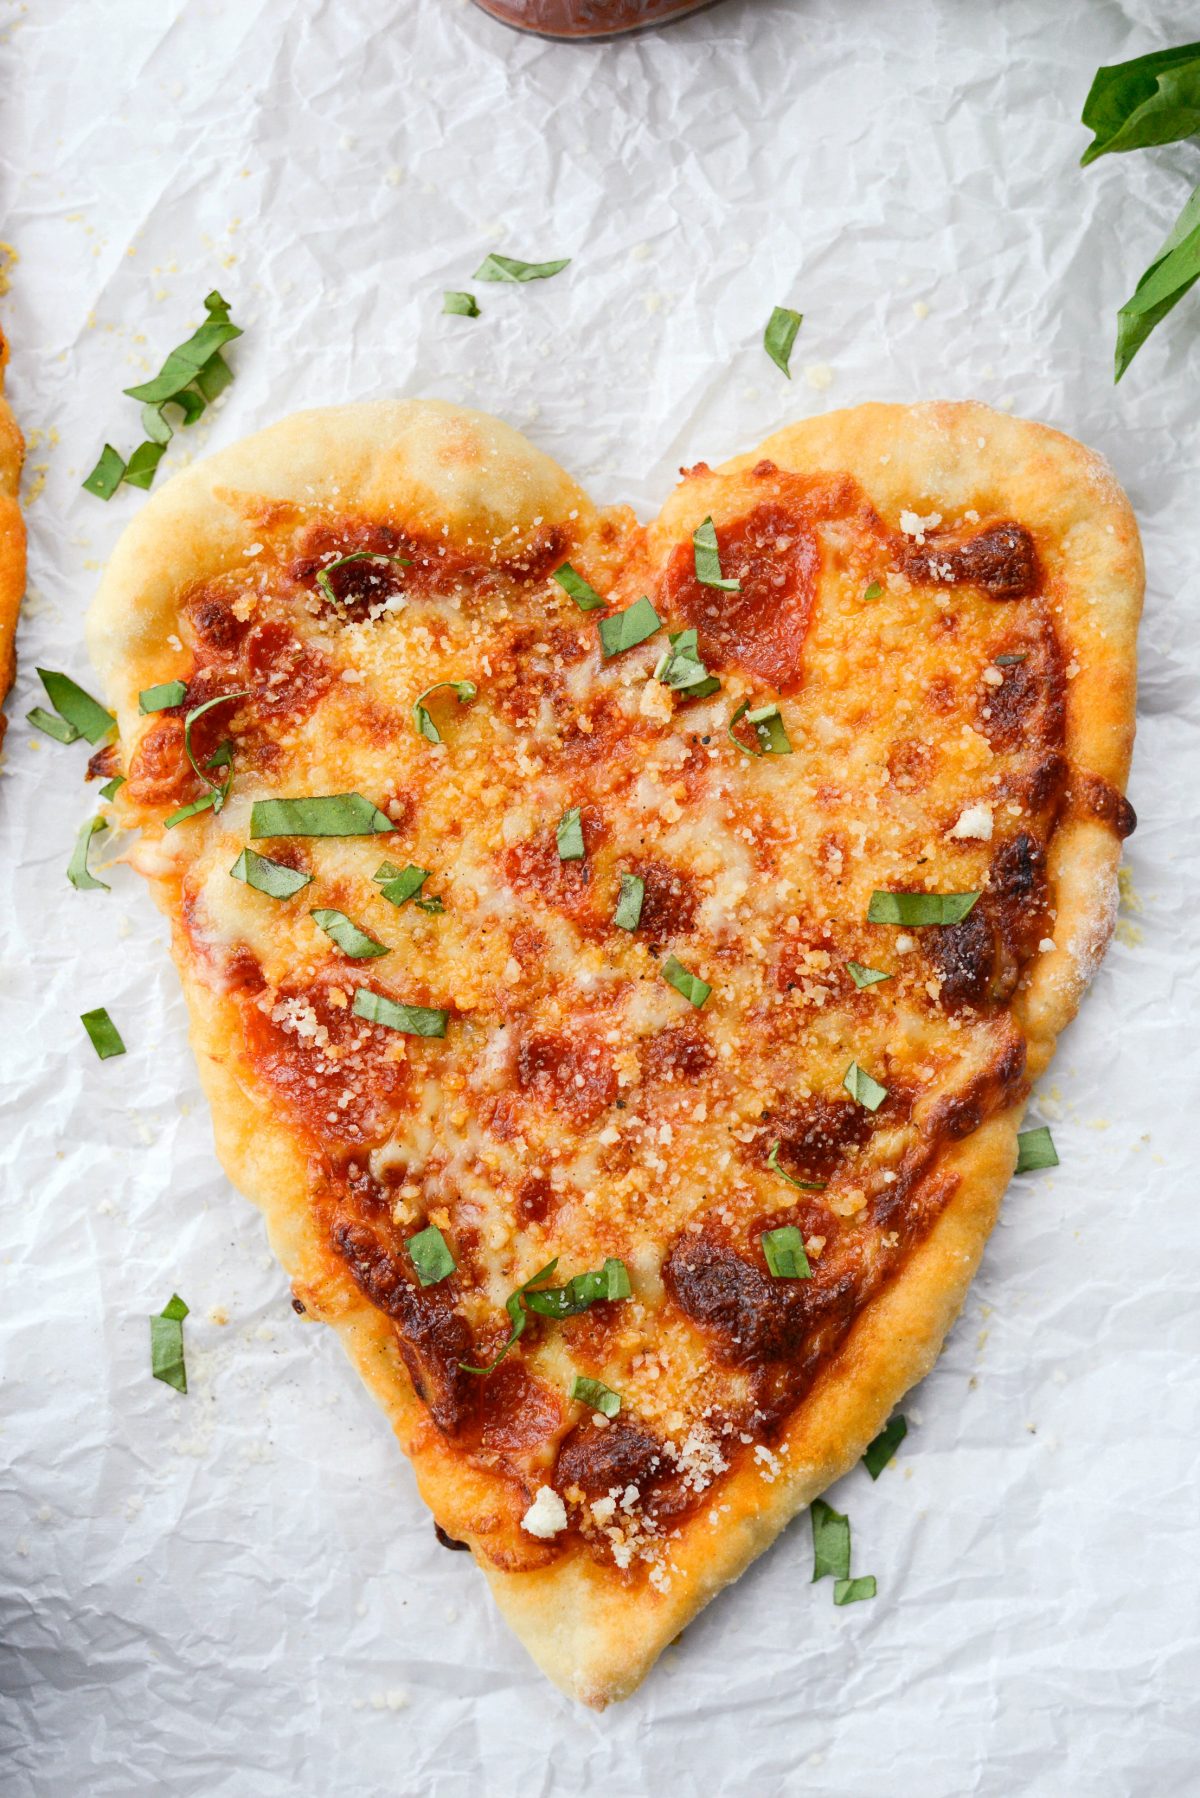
x=239, y=1593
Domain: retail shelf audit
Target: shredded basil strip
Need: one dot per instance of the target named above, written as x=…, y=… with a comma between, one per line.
x=142, y=466
x=166, y=1344
x=330, y=815
x=873, y=590
x=357, y=555
x=879, y=1452
x=628, y=914
x=867, y=1092
x=584, y=595
x=850, y=1591
x=595, y=1393
x=161, y=698
x=582, y=1291
x=198, y=712
x=862, y=976
x=107, y=475
x=511, y=268
x=780, y=335
x=694, y=990
x=831, y=1541
x=213, y=800
x=768, y=728
x=569, y=836
x=1010, y=661
x=625, y=630
x=784, y=1250
x=422, y=720
x=681, y=668
x=708, y=559
x=399, y=885
x=78, y=872
x=346, y=934
x=918, y=909
x=518, y=1317
x=462, y=305
x=58, y=728
x=275, y=879
x=190, y=360
x=70, y=701
x=1035, y=1148
x=409, y=1020
x=105, y=1037
x=109, y=789
x=431, y=1255
x=435, y=905
x=800, y=1185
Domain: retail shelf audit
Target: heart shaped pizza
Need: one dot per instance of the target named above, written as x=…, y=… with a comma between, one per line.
x=618, y=956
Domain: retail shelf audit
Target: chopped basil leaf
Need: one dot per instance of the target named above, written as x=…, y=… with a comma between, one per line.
x=595, y=1393
x=399, y=885
x=628, y=914
x=873, y=590
x=585, y=596
x=431, y=1255
x=1152, y=99
x=58, y=728
x=109, y=789
x=1173, y=272
x=694, y=990
x=331, y=815
x=920, y=908
x=222, y=757
x=849, y=1591
x=784, y=1250
x=800, y=1185
x=78, y=873
x=107, y=475
x=409, y=1020
x=425, y=727
x=865, y=976
x=768, y=728
x=879, y=1452
x=70, y=701
x=213, y=800
x=463, y=305
x=357, y=555
x=189, y=360
x=511, y=268
x=166, y=1344
x=708, y=560
x=680, y=667
x=435, y=905
x=625, y=630
x=831, y=1541
x=859, y=1084
x=275, y=879
x=1012, y=660
x=142, y=466
x=569, y=836
x=345, y=933
x=582, y=1291
x=105, y=1037
x=780, y=335
x=1035, y=1148
x=161, y=698
x=518, y=1317
x=198, y=712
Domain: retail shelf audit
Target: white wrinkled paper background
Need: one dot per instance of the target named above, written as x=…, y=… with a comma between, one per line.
x=239, y=1593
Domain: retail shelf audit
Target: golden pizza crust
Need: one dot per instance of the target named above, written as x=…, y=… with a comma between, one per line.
x=12, y=538
x=592, y=1633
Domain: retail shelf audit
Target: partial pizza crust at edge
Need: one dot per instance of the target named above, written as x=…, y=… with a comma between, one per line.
x=12, y=538
x=578, y=1623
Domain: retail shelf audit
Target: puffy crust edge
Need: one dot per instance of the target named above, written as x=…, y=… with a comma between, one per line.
x=12, y=538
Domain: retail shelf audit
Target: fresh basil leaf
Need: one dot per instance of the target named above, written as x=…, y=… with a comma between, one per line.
x=425, y=727
x=597, y=1395
x=107, y=475
x=1174, y=270
x=609, y=1282
x=331, y=815
x=1152, y=99
x=850, y=1591
x=166, y=1344
x=708, y=560
x=863, y=977
x=212, y=801
x=198, y=712
x=357, y=555
x=109, y=789
x=78, y=872
x=914, y=910
x=161, y=698
x=694, y=990
x=1035, y=1148
x=873, y=590
x=345, y=933
x=275, y=879
x=105, y=1037
x=409, y=1020
x=58, y=728
x=188, y=361
x=463, y=305
x=768, y=729
x=569, y=836
x=784, y=1250
x=518, y=1317
x=511, y=268
x=800, y=1185
x=142, y=466
x=628, y=914
x=780, y=335
x=879, y=1452
x=584, y=595
x=431, y=1255
x=70, y=701
x=681, y=668
x=625, y=630
x=867, y=1092
x=399, y=885
x=831, y=1541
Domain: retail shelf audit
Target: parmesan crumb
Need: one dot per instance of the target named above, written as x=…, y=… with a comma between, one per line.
x=546, y=1516
x=974, y=821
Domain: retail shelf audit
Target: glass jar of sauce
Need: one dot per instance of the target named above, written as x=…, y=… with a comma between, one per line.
x=588, y=18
